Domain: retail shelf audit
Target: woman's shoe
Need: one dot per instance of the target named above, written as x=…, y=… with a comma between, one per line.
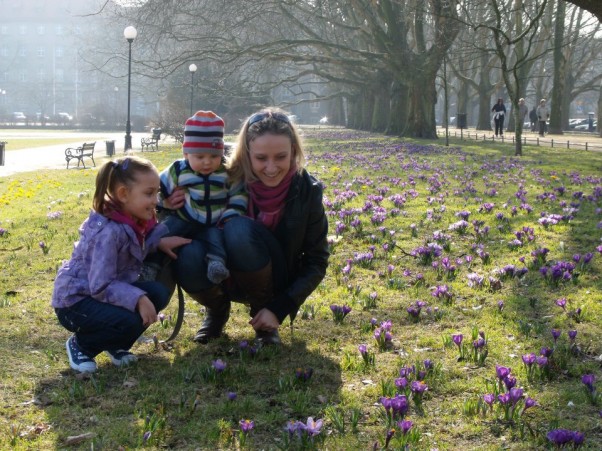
x=267, y=338
x=213, y=324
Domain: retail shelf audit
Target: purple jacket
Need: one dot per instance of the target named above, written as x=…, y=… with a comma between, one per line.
x=105, y=262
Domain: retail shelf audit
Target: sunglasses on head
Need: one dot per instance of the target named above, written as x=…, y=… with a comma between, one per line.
x=258, y=117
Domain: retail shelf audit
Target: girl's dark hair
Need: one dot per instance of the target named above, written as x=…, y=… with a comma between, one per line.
x=122, y=171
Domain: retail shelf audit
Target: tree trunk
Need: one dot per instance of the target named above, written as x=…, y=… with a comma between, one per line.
x=354, y=112
x=398, y=119
x=382, y=100
x=600, y=112
x=366, y=109
x=559, y=71
x=336, y=113
x=484, y=122
x=422, y=99
x=463, y=98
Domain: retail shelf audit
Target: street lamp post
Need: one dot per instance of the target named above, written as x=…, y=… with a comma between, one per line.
x=192, y=69
x=130, y=34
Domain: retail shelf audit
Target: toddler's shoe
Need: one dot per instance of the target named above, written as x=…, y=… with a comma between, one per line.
x=122, y=357
x=217, y=272
x=77, y=359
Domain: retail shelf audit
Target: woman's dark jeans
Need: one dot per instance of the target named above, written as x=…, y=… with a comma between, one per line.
x=250, y=246
x=99, y=326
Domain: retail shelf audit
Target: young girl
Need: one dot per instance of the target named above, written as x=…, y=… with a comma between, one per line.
x=97, y=294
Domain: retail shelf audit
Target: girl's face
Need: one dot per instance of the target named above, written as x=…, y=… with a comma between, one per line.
x=140, y=199
x=271, y=158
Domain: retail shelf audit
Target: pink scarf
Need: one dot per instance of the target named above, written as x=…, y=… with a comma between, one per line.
x=269, y=200
x=141, y=229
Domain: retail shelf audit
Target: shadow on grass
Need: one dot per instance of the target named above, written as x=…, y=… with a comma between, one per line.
x=177, y=396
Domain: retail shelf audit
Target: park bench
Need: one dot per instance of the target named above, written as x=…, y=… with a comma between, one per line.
x=152, y=142
x=79, y=153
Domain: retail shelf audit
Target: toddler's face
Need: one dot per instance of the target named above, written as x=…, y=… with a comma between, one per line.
x=203, y=163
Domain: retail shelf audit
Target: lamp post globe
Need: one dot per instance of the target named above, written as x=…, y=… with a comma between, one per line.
x=192, y=68
x=130, y=34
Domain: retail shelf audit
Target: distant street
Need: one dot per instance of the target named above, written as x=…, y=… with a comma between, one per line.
x=53, y=157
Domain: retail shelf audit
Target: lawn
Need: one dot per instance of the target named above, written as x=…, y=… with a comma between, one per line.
x=461, y=309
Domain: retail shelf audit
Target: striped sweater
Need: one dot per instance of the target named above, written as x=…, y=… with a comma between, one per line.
x=209, y=199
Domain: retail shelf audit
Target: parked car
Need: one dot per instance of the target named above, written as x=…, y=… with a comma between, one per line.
x=63, y=118
x=585, y=127
x=42, y=118
x=19, y=116
x=573, y=123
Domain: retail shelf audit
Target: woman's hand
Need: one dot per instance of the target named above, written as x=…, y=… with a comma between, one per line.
x=265, y=320
x=147, y=311
x=175, y=200
x=169, y=243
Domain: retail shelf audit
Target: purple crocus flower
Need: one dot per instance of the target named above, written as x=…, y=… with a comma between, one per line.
x=295, y=427
x=502, y=371
x=529, y=402
x=428, y=364
x=503, y=398
x=555, y=334
x=589, y=380
x=399, y=405
x=390, y=434
x=405, y=426
x=363, y=349
x=546, y=352
x=529, y=359
x=401, y=382
x=489, y=398
x=419, y=387
x=561, y=303
x=541, y=361
x=457, y=339
x=500, y=305
x=560, y=436
x=231, y=395
x=218, y=365
x=304, y=374
x=509, y=382
x=572, y=334
x=516, y=394
x=246, y=426
x=313, y=427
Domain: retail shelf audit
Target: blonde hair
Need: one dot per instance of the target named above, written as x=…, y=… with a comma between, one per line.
x=112, y=174
x=275, y=122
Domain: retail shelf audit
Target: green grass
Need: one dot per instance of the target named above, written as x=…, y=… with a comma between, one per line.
x=30, y=143
x=172, y=392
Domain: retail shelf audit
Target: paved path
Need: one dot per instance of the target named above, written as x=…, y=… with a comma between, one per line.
x=53, y=157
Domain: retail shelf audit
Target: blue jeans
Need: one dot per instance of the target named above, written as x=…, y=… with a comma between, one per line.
x=99, y=326
x=250, y=246
x=211, y=236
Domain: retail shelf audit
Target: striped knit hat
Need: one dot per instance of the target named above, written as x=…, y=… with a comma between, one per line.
x=204, y=133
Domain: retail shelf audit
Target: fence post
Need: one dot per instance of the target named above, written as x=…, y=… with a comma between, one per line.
x=552, y=141
x=586, y=145
x=567, y=144
x=537, y=142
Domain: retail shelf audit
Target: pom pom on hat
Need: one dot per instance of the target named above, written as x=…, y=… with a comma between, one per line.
x=204, y=133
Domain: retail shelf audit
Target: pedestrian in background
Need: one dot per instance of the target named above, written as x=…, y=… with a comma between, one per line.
x=499, y=113
x=543, y=114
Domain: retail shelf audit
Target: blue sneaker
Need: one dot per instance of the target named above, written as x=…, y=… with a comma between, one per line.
x=77, y=359
x=121, y=357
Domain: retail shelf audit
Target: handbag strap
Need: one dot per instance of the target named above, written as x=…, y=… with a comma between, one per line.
x=179, y=317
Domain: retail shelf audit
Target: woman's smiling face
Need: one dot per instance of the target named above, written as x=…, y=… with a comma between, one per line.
x=271, y=158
